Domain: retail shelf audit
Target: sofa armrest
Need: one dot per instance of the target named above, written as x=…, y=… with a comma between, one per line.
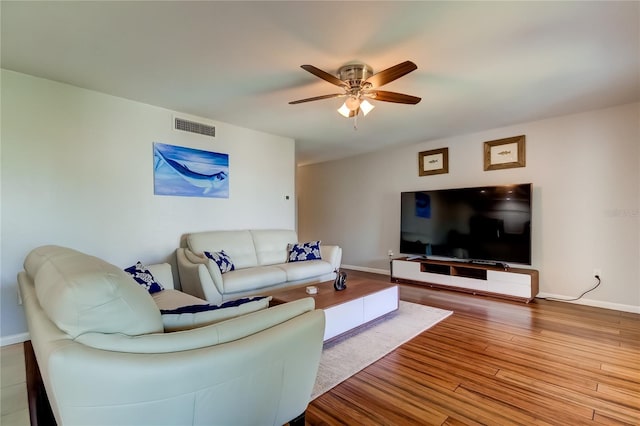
x=332, y=254
x=197, y=278
x=272, y=371
x=211, y=335
x=162, y=274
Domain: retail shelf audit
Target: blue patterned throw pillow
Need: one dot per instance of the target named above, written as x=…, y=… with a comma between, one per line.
x=222, y=259
x=304, y=251
x=143, y=276
x=193, y=309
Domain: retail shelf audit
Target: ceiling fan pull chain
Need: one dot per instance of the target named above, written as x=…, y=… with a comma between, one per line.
x=355, y=121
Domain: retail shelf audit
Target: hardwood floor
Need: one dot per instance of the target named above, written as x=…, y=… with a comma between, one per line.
x=492, y=362
x=13, y=402
x=497, y=362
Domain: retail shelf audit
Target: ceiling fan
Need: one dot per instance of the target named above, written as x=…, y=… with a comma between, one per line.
x=360, y=84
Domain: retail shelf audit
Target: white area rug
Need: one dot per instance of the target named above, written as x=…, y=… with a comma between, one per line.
x=347, y=355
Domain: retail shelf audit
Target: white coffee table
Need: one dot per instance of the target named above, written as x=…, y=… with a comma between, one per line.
x=361, y=302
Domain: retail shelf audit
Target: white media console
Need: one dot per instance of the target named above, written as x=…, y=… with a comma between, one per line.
x=512, y=283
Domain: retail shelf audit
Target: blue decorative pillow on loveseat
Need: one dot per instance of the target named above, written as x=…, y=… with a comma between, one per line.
x=143, y=276
x=304, y=251
x=222, y=259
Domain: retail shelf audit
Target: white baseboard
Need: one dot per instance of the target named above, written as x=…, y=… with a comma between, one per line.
x=363, y=269
x=594, y=303
x=14, y=338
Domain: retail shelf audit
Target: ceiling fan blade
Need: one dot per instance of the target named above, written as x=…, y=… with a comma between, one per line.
x=324, y=75
x=318, y=98
x=390, y=74
x=399, y=98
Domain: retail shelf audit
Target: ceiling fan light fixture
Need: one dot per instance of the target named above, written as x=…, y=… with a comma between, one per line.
x=344, y=110
x=347, y=109
x=366, y=106
x=352, y=102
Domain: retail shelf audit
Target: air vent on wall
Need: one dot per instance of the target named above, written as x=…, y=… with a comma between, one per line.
x=193, y=127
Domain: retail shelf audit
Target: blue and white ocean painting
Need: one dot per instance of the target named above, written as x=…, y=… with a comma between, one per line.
x=189, y=172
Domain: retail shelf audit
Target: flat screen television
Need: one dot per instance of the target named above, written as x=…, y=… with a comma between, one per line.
x=489, y=224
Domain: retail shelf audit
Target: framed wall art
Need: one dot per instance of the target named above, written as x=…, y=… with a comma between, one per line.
x=504, y=153
x=189, y=172
x=433, y=162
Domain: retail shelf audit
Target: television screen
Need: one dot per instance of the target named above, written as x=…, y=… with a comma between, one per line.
x=489, y=224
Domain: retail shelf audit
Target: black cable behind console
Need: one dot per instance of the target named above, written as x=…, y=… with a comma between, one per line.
x=490, y=263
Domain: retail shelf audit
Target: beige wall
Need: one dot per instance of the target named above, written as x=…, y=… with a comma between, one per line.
x=584, y=169
x=77, y=170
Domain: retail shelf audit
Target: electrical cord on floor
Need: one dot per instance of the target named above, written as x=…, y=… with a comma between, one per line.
x=553, y=299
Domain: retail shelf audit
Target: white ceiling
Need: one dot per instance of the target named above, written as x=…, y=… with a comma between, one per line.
x=481, y=65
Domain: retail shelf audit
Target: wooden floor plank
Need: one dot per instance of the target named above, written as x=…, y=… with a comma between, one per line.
x=449, y=401
x=595, y=350
x=407, y=407
x=618, y=404
x=602, y=419
x=630, y=374
x=419, y=371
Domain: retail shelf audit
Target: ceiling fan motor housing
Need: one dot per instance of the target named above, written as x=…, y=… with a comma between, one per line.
x=355, y=74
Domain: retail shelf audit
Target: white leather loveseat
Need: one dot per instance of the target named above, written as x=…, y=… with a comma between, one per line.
x=104, y=358
x=260, y=260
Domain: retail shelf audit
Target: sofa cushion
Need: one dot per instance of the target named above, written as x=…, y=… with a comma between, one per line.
x=300, y=252
x=302, y=270
x=199, y=308
x=271, y=245
x=252, y=278
x=237, y=244
x=81, y=294
x=222, y=259
x=144, y=277
x=188, y=317
x=172, y=299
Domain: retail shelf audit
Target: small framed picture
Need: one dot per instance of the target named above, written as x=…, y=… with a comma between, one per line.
x=505, y=153
x=433, y=162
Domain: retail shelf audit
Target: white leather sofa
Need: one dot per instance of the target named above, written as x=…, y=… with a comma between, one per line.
x=260, y=260
x=104, y=358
